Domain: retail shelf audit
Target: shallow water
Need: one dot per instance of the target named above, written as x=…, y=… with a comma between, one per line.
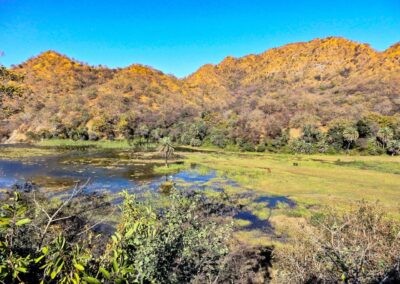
x=111, y=171
x=105, y=171
x=273, y=201
x=255, y=222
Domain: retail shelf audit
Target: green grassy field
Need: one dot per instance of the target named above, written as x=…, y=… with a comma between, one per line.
x=105, y=144
x=315, y=182
x=316, y=179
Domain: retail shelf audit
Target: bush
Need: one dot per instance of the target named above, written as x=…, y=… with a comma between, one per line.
x=373, y=148
x=335, y=136
x=32, y=135
x=360, y=246
x=247, y=147
x=183, y=243
x=92, y=136
x=261, y=148
x=311, y=134
x=300, y=146
x=393, y=147
x=186, y=138
x=195, y=142
x=219, y=140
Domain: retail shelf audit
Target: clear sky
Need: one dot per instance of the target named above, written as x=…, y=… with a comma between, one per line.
x=178, y=36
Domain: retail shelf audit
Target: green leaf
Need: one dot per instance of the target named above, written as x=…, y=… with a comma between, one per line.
x=21, y=269
x=115, y=265
x=129, y=233
x=23, y=222
x=60, y=267
x=45, y=250
x=105, y=273
x=114, y=238
x=91, y=280
x=39, y=258
x=80, y=267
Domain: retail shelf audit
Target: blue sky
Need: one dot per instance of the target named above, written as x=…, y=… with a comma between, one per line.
x=177, y=37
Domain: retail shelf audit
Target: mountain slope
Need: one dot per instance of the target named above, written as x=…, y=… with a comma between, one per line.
x=310, y=82
x=334, y=67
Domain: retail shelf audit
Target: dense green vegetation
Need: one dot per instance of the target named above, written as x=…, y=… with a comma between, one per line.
x=53, y=242
x=371, y=135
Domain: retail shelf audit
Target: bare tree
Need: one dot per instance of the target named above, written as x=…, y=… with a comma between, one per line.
x=55, y=216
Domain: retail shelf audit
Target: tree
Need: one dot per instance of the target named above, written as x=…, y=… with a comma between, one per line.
x=166, y=148
x=384, y=135
x=350, y=134
x=311, y=134
x=363, y=128
x=394, y=147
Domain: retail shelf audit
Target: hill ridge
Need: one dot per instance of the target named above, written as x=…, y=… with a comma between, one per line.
x=317, y=81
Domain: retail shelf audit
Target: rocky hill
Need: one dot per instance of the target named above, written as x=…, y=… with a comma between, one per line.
x=314, y=82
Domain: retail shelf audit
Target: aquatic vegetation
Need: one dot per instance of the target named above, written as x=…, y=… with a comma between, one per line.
x=67, y=143
x=172, y=168
x=21, y=152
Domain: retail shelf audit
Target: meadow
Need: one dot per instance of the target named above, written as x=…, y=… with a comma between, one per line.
x=312, y=181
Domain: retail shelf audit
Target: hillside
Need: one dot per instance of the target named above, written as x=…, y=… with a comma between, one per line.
x=324, y=78
x=255, y=96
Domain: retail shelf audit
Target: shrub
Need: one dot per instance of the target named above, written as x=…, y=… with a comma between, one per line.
x=247, y=147
x=359, y=246
x=46, y=241
x=300, y=146
x=92, y=136
x=219, y=140
x=32, y=135
x=373, y=148
x=186, y=138
x=311, y=134
x=335, y=136
x=195, y=142
x=393, y=147
x=261, y=148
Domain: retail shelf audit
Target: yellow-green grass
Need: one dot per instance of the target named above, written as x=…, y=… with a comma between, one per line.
x=24, y=152
x=105, y=144
x=316, y=180
x=172, y=168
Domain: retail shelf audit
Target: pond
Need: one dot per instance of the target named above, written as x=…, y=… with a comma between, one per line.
x=112, y=171
x=108, y=170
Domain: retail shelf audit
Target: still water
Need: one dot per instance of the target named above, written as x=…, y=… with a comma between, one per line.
x=113, y=171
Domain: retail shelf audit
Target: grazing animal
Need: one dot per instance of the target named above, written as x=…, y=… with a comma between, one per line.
x=268, y=170
x=296, y=164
